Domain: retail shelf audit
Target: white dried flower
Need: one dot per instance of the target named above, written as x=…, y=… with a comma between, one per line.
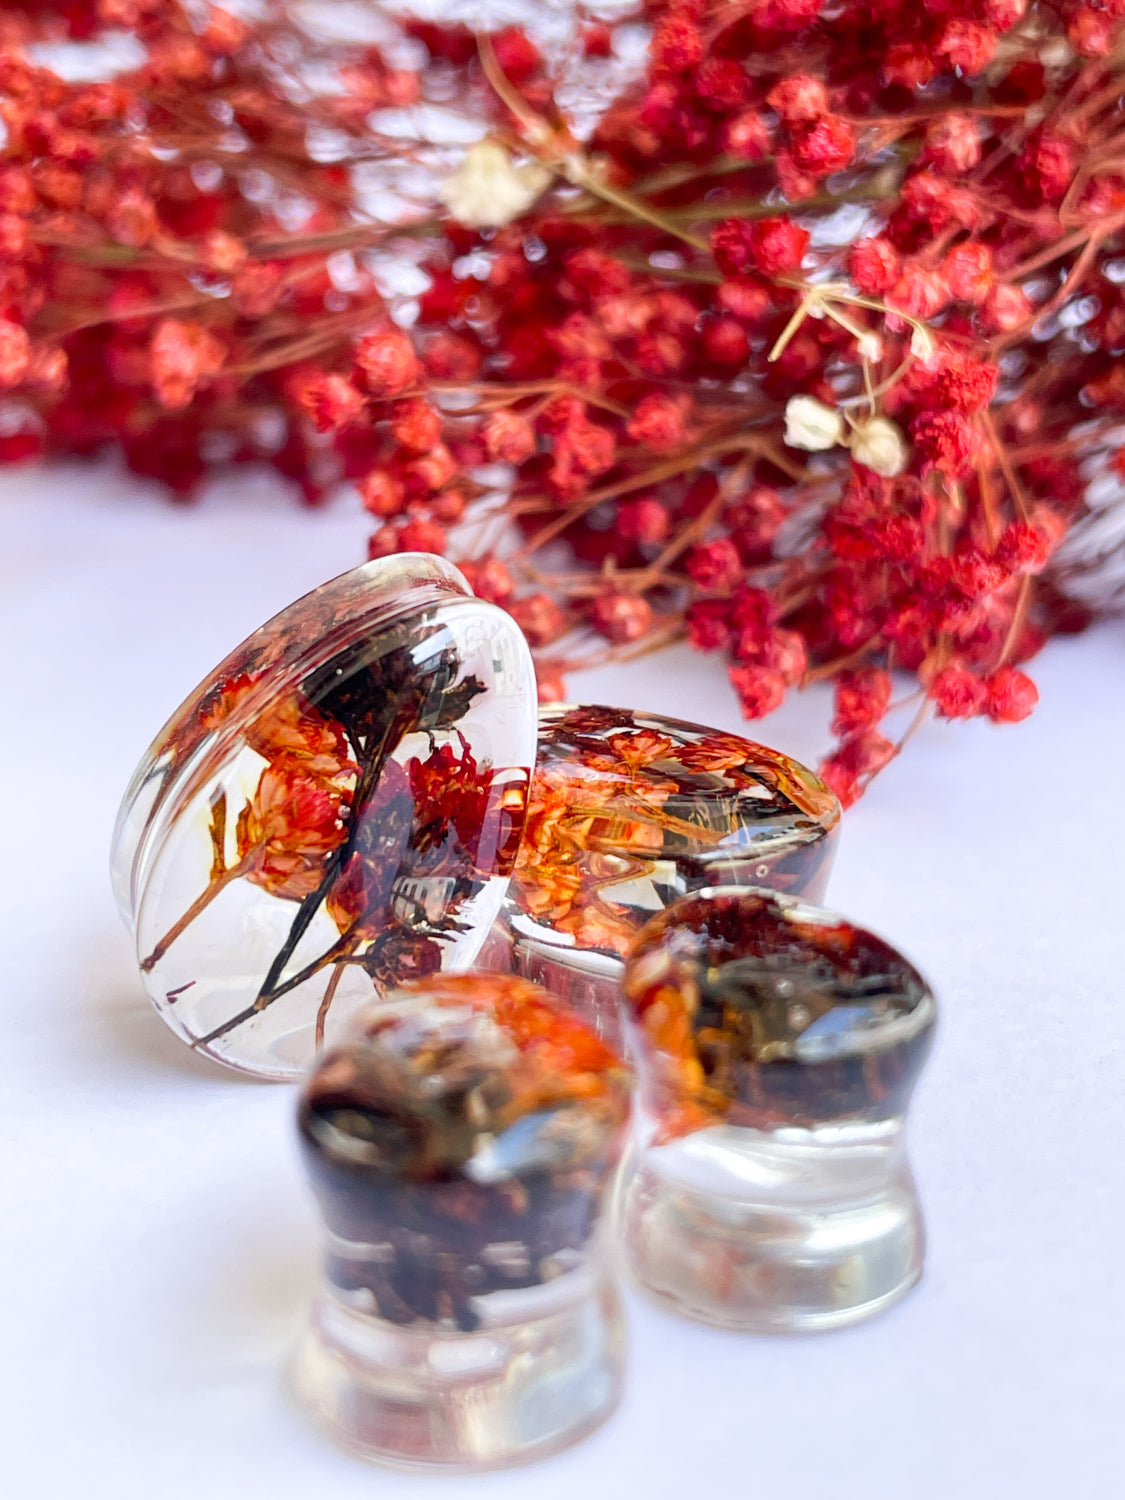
x=922, y=344
x=879, y=444
x=488, y=190
x=811, y=425
x=870, y=347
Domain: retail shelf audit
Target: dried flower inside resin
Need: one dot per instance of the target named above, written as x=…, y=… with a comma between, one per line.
x=627, y=811
x=750, y=1008
x=460, y=1141
x=326, y=816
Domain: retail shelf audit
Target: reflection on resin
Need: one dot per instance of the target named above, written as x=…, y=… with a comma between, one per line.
x=777, y=1045
x=460, y=1142
x=629, y=811
x=336, y=810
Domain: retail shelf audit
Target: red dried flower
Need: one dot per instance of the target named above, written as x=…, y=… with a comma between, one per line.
x=658, y=423
x=1023, y=548
x=644, y=521
x=421, y=535
x=967, y=271
x=330, y=401
x=722, y=84
x=826, y=145
x=778, y=246
x=968, y=45
x=1006, y=308
x=489, y=579
x=760, y=689
x=15, y=353
x=959, y=383
x=946, y=441
x=382, y=494
x=726, y=342
x=799, y=99
x=431, y=472
x=539, y=617
x=862, y=698
x=1011, y=696
x=874, y=265
x=953, y=144
x=132, y=219
x=919, y=291
x=746, y=136
x=677, y=45
x=184, y=357
x=509, y=437
x=451, y=357
x=716, y=565
x=621, y=617
x=1048, y=165
x=416, y=425
x=388, y=363
x=957, y=693
x=708, y=624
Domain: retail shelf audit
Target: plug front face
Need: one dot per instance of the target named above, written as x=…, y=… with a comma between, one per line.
x=460, y=1142
x=336, y=809
x=629, y=811
x=777, y=1045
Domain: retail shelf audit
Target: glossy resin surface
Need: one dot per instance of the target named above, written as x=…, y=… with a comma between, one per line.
x=777, y=1045
x=629, y=811
x=336, y=809
x=460, y=1142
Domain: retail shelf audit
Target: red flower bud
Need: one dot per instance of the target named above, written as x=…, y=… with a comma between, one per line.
x=957, y=693
x=388, y=362
x=861, y=698
x=416, y=425
x=874, y=265
x=509, y=437
x=760, y=690
x=621, y=617
x=658, y=423
x=421, y=535
x=716, y=565
x=1011, y=696
x=539, y=617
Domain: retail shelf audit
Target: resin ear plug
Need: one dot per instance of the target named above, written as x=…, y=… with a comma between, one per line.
x=776, y=1046
x=336, y=809
x=460, y=1142
x=629, y=811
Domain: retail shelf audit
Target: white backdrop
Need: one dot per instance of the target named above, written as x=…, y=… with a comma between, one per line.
x=158, y=1243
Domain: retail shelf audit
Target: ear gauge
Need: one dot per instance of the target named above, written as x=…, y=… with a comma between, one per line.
x=460, y=1141
x=337, y=808
x=776, y=1047
x=628, y=812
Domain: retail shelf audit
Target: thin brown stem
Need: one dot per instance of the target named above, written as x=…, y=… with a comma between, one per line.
x=1022, y=599
x=329, y=995
x=198, y=906
x=1015, y=489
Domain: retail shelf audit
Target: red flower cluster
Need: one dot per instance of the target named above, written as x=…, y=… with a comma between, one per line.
x=799, y=351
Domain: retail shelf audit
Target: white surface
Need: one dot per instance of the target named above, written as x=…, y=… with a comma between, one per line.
x=157, y=1240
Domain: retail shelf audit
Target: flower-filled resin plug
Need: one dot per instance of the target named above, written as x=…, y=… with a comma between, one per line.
x=335, y=810
x=629, y=811
x=460, y=1142
x=776, y=1045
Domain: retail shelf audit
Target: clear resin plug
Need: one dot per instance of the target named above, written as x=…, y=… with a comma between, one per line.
x=335, y=809
x=629, y=811
x=460, y=1142
x=776, y=1046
